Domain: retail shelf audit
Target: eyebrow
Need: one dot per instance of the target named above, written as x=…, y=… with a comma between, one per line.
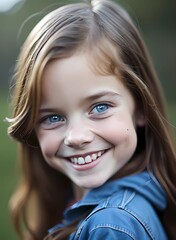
x=102, y=94
x=47, y=110
x=89, y=98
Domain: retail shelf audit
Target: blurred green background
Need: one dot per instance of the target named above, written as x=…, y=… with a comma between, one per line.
x=156, y=21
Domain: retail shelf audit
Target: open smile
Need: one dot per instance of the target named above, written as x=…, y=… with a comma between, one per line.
x=85, y=159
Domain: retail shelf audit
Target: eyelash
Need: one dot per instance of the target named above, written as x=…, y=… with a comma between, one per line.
x=100, y=105
x=60, y=119
x=46, y=119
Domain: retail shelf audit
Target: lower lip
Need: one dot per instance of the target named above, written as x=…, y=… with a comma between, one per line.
x=87, y=166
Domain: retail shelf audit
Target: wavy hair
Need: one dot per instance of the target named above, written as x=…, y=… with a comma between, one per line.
x=105, y=32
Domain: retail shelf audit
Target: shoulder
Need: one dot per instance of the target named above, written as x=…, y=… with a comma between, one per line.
x=114, y=222
x=122, y=216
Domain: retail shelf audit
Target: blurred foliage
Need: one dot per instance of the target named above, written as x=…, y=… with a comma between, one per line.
x=156, y=22
x=8, y=172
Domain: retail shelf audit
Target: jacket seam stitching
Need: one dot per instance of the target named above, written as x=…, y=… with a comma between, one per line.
x=132, y=213
x=114, y=227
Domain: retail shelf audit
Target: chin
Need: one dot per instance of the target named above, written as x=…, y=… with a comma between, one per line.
x=93, y=184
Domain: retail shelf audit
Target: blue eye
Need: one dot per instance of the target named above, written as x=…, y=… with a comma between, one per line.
x=55, y=119
x=52, y=121
x=100, y=108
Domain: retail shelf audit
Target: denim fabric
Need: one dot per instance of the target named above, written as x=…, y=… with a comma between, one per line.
x=121, y=209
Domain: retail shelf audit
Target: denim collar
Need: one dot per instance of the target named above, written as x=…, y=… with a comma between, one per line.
x=143, y=183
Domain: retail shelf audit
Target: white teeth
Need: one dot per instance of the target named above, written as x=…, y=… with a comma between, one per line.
x=81, y=160
x=74, y=160
x=99, y=154
x=94, y=156
x=87, y=159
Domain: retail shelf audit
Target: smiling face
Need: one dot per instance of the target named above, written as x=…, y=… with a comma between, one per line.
x=86, y=126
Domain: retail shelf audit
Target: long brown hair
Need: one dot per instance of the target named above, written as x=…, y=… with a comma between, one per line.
x=106, y=33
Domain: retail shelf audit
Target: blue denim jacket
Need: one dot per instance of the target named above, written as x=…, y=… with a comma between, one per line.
x=121, y=209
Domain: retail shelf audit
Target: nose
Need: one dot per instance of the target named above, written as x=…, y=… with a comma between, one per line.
x=78, y=136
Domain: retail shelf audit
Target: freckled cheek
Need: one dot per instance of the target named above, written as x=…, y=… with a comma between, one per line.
x=125, y=142
x=120, y=133
x=122, y=136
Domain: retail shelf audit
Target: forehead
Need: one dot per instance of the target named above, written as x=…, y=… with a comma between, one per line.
x=82, y=63
x=69, y=82
x=63, y=74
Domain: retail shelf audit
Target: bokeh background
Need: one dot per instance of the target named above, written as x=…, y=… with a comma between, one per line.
x=156, y=21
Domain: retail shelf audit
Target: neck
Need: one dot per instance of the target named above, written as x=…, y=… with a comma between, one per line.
x=79, y=192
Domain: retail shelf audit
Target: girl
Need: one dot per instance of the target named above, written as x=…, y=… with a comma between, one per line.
x=89, y=116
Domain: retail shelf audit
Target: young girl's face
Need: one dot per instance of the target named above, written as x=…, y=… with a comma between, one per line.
x=86, y=126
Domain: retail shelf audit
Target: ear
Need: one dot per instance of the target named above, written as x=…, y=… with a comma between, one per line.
x=140, y=119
